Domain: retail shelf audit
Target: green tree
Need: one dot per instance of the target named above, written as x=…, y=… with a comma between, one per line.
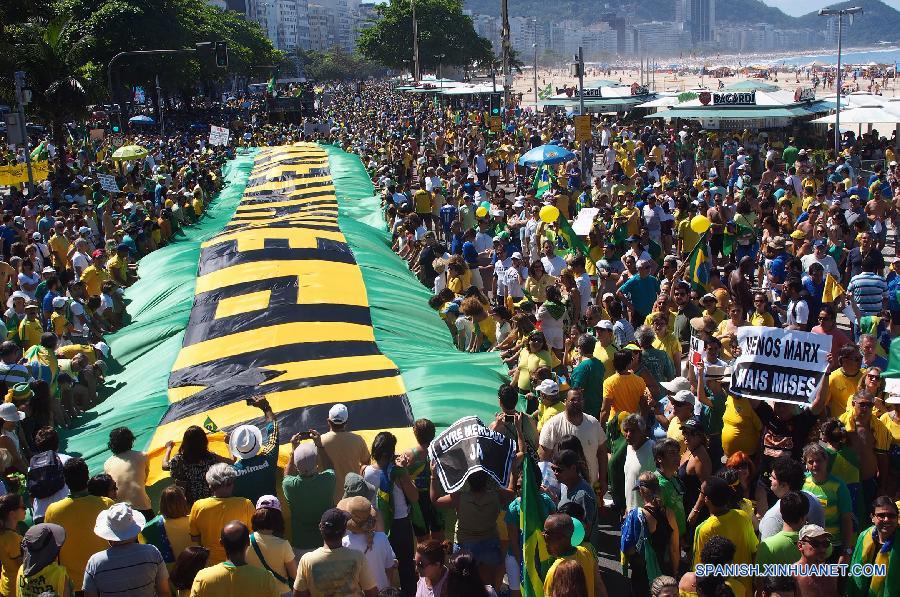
x=53, y=55
x=336, y=64
x=443, y=29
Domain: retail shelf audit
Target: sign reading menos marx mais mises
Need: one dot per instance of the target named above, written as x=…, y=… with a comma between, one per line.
x=781, y=365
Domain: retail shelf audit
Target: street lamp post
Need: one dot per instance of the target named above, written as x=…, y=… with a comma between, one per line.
x=534, y=46
x=839, y=13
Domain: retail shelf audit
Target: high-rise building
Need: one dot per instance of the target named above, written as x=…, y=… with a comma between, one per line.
x=285, y=22
x=698, y=18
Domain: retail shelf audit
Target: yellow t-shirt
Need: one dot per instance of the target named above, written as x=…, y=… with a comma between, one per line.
x=841, y=388
x=674, y=432
x=762, y=319
x=422, y=200
x=689, y=238
x=538, y=288
x=741, y=427
x=30, y=333
x=276, y=551
x=529, y=362
x=605, y=355
x=70, y=350
x=670, y=322
x=634, y=220
x=60, y=324
x=625, y=391
x=93, y=278
x=883, y=436
x=10, y=559
x=316, y=572
x=77, y=515
x=228, y=580
x=545, y=413
x=734, y=525
x=891, y=426
x=208, y=517
x=117, y=268
x=52, y=577
x=671, y=345
x=59, y=246
x=718, y=315
x=583, y=556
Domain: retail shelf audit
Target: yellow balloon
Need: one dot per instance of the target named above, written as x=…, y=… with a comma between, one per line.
x=549, y=213
x=481, y=211
x=700, y=224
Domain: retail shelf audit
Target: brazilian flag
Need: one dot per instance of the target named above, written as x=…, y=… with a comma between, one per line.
x=285, y=288
x=731, y=236
x=535, y=558
x=698, y=270
x=543, y=180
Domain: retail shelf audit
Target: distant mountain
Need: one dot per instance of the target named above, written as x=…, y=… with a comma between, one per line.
x=879, y=22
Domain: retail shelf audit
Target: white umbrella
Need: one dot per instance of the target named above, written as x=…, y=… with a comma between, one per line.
x=868, y=114
x=660, y=102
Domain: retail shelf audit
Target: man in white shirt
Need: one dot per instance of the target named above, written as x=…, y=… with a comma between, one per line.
x=553, y=263
x=574, y=421
x=514, y=277
x=821, y=257
x=638, y=457
x=80, y=258
x=500, y=266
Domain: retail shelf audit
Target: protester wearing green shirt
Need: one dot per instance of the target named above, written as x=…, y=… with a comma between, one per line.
x=307, y=492
x=781, y=548
x=588, y=375
x=667, y=454
x=834, y=496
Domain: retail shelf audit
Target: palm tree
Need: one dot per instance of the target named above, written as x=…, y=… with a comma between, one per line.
x=52, y=54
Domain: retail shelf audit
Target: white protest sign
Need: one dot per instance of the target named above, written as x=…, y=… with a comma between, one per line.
x=584, y=220
x=780, y=365
x=892, y=387
x=219, y=135
x=108, y=183
x=697, y=346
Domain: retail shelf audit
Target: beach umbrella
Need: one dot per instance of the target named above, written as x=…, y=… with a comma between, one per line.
x=868, y=114
x=141, y=119
x=129, y=152
x=546, y=154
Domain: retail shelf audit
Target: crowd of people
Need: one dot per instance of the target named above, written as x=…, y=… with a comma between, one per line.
x=603, y=399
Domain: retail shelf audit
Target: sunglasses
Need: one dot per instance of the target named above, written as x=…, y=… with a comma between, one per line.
x=865, y=404
x=824, y=544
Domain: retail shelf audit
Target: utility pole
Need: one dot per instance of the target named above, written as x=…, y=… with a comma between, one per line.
x=415, y=42
x=20, y=101
x=839, y=13
x=580, y=81
x=504, y=33
x=534, y=45
x=159, y=103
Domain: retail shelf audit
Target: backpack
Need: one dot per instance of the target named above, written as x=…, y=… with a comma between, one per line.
x=45, y=475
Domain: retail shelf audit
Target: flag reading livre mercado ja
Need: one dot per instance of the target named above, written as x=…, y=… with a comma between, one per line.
x=698, y=270
x=535, y=558
x=781, y=365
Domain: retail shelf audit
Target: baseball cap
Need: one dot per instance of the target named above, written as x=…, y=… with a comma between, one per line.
x=811, y=531
x=631, y=346
x=604, y=324
x=516, y=255
x=820, y=243
x=48, y=270
x=685, y=396
x=58, y=302
x=708, y=297
x=333, y=522
x=548, y=387
x=37, y=236
x=677, y=385
x=338, y=414
x=268, y=501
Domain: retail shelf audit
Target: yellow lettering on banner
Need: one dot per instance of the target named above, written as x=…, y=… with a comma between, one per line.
x=18, y=174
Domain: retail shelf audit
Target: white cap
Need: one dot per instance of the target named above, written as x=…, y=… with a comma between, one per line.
x=338, y=414
x=516, y=255
x=84, y=230
x=37, y=236
x=893, y=163
x=708, y=295
x=59, y=301
x=103, y=347
x=548, y=387
x=48, y=270
x=685, y=396
x=643, y=263
x=604, y=324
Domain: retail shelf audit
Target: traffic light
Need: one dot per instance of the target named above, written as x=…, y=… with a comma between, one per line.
x=496, y=102
x=205, y=52
x=221, y=54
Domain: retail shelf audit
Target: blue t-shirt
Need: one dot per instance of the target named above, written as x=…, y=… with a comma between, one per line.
x=642, y=292
x=470, y=254
x=447, y=214
x=777, y=267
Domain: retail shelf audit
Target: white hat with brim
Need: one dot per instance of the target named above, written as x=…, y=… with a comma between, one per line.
x=120, y=522
x=9, y=412
x=245, y=442
x=676, y=385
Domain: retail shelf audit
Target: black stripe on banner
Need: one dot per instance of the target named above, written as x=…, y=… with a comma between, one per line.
x=289, y=160
x=376, y=413
x=311, y=205
x=275, y=197
x=207, y=328
x=231, y=227
x=232, y=389
x=287, y=175
x=198, y=375
x=218, y=259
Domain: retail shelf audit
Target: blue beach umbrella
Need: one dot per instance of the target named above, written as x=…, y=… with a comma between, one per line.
x=546, y=154
x=141, y=119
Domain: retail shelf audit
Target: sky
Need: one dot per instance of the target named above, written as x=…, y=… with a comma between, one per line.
x=795, y=8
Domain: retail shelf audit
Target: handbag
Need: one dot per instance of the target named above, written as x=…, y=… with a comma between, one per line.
x=288, y=581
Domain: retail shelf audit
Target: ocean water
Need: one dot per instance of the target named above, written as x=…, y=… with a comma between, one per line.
x=879, y=56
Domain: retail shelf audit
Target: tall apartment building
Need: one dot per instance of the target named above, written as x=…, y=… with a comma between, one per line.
x=699, y=18
x=285, y=22
x=661, y=38
x=334, y=23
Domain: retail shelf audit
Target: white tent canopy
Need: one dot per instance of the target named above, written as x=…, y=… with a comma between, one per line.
x=866, y=114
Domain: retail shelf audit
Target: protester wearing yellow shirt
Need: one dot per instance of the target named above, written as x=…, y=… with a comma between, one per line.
x=843, y=382
x=741, y=427
x=95, y=274
x=117, y=266
x=59, y=246
x=622, y=391
x=711, y=308
x=632, y=216
x=558, y=531
x=209, y=515
x=30, y=328
x=604, y=350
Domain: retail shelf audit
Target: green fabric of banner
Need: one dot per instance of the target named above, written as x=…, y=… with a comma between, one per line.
x=442, y=383
x=143, y=351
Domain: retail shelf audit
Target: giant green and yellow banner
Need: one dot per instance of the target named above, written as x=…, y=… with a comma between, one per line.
x=297, y=297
